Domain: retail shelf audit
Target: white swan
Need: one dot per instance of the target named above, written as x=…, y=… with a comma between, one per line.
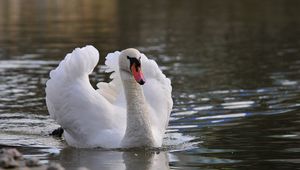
x=121, y=113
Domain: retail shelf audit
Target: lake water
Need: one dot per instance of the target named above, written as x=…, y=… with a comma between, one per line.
x=234, y=66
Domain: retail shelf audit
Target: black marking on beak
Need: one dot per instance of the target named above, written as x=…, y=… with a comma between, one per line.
x=135, y=61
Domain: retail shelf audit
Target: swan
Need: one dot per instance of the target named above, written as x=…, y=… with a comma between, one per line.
x=132, y=110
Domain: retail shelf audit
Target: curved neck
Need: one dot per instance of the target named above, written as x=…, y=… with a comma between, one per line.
x=138, y=131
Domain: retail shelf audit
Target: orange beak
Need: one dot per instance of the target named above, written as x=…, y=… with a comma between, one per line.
x=137, y=74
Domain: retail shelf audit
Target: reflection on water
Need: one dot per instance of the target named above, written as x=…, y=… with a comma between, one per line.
x=97, y=159
x=234, y=67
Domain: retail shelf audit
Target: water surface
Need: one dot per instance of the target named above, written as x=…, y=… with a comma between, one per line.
x=234, y=67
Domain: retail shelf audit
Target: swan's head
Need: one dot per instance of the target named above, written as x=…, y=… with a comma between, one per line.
x=130, y=61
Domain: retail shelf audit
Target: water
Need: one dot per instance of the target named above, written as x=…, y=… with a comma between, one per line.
x=234, y=67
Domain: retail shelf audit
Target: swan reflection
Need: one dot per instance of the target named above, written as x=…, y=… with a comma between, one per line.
x=94, y=159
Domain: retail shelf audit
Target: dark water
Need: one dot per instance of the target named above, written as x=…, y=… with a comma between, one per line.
x=234, y=67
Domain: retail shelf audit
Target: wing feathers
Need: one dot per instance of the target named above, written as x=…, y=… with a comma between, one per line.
x=111, y=90
x=77, y=64
x=85, y=114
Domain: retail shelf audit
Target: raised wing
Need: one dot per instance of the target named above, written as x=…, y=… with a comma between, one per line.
x=157, y=90
x=84, y=114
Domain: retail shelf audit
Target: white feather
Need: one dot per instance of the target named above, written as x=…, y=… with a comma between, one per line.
x=97, y=118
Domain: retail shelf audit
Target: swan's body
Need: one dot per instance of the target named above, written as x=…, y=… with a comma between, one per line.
x=121, y=113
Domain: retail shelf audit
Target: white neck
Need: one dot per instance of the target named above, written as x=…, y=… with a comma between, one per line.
x=138, y=131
